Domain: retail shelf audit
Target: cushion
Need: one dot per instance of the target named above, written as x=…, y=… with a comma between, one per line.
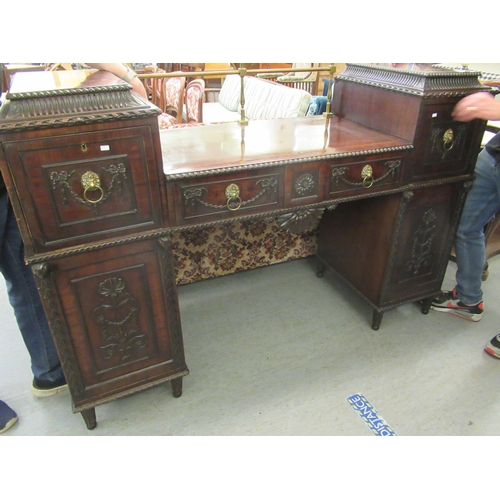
x=229, y=95
x=286, y=102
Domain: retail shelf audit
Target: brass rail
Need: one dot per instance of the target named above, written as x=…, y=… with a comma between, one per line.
x=242, y=72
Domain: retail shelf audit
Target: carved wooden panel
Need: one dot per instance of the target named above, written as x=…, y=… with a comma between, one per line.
x=305, y=183
x=87, y=186
x=422, y=240
x=121, y=315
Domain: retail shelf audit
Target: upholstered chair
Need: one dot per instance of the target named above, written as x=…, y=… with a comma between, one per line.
x=195, y=92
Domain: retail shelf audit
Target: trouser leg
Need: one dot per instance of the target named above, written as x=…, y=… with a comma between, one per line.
x=482, y=203
x=24, y=298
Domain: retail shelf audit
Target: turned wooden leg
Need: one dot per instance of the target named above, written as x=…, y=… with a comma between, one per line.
x=90, y=419
x=320, y=269
x=177, y=387
x=426, y=305
x=377, y=319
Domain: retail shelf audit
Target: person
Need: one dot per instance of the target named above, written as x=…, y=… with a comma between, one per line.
x=48, y=377
x=481, y=204
x=125, y=73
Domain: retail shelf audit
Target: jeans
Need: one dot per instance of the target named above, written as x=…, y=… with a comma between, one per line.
x=24, y=298
x=482, y=203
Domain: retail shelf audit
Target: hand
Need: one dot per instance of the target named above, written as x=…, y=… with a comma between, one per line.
x=480, y=105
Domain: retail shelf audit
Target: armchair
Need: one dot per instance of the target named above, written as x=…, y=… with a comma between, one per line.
x=195, y=92
x=173, y=96
x=304, y=80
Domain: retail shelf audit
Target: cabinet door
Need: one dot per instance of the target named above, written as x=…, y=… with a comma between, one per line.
x=115, y=319
x=422, y=241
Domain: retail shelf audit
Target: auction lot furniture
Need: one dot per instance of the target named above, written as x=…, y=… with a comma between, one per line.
x=98, y=192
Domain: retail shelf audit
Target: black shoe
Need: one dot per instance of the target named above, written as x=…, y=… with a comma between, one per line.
x=42, y=388
x=8, y=417
x=493, y=346
x=449, y=302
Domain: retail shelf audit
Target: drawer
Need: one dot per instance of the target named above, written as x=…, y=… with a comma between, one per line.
x=86, y=187
x=365, y=176
x=443, y=148
x=228, y=195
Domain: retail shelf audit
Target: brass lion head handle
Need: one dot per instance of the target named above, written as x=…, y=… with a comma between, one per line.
x=448, y=139
x=233, y=197
x=367, y=176
x=91, y=182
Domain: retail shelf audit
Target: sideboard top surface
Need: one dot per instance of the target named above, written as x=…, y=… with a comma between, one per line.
x=199, y=149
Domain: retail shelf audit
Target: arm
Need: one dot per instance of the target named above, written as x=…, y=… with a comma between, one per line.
x=479, y=105
x=120, y=70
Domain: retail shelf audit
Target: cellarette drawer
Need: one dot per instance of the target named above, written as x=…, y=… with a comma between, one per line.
x=87, y=187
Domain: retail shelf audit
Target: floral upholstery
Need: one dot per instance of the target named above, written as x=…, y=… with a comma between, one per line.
x=195, y=93
x=174, y=96
x=166, y=121
x=225, y=249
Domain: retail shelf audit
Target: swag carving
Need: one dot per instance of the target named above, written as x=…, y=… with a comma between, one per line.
x=118, y=319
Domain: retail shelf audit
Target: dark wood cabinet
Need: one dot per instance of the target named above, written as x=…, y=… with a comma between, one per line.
x=83, y=167
x=392, y=249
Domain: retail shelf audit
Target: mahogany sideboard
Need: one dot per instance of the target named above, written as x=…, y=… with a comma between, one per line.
x=98, y=190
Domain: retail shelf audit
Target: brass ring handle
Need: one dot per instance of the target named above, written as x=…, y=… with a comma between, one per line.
x=233, y=197
x=231, y=201
x=367, y=176
x=97, y=188
x=91, y=182
x=448, y=140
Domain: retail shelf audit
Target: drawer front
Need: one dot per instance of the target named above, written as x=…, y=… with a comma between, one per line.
x=445, y=146
x=87, y=187
x=229, y=196
x=365, y=176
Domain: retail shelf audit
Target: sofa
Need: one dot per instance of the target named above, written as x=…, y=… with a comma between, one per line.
x=263, y=100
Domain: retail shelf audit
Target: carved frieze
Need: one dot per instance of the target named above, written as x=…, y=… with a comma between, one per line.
x=420, y=80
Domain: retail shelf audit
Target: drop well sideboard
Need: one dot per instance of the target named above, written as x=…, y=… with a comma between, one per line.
x=98, y=190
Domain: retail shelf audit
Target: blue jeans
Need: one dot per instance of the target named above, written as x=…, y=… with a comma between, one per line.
x=482, y=203
x=24, y=298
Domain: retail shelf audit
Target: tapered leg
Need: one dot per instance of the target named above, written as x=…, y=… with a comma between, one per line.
x=377, y=319
x=90, y=418
x=177, y=387
x=320, y=269
x=426, y=305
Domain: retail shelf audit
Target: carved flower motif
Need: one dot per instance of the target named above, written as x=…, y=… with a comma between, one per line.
x=304, y=184
x=112, y=287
